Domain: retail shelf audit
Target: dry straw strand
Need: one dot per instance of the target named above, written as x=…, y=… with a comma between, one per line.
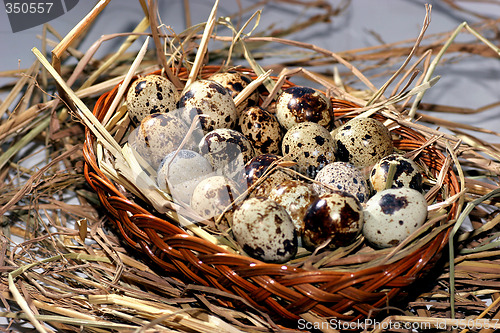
x=438, y=57
x=202, y=49
x=427, y=21
x=126, y=81
x=141, y=27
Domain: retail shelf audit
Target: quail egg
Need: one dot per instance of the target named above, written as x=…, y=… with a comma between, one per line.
x=212, y=102
x=214, y=195
x=299, y=104
x=310, y=145
x=264, y=230
x=235, y=82
x=158, y=135
x=180, y=174
x=342, y=176
x=295, y=196
x=228, y=151
x=392, y=215
x=407, y=173
x=333, y=220
x=362, y=142
x=150, y=94
x=262, y=129
x=258, y=167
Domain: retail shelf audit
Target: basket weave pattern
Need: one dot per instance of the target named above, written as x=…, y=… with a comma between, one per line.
x=283, y=291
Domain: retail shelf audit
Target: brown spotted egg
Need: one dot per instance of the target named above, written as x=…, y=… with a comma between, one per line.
x=362, y=142
x=214, y=196
x=310, y=145
x=228, y=151
x=299, y=104
x=342, y=176
x=295, y=196
x=261, y=178
x=150, y=94
x=212, y=102
x=180, y=172
x=407, y=173
x=333, y=220
x=264, y=230
x=262, y=129
x=157, y=136
x=235, y=82
x=392, y=215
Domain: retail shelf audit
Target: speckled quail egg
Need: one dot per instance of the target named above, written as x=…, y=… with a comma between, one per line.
x=212, y=197
x=264, y=230
x=333, y=220
x=362, y=142
x=392, y=215
x=235, y=82
x=258, y=167
x=228, y=151
x=180, y=172
x=158, y=135
x=150, y=94
x=342, y=176
x=212, y=102
x=407, y=173
x=310, y=145
x=262, y=129
x=295, y=196
x=299, y=104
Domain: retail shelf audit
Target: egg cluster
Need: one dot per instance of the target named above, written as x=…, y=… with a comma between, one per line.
x=275, y=179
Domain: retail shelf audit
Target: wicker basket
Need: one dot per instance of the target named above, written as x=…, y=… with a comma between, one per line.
x=283, y=291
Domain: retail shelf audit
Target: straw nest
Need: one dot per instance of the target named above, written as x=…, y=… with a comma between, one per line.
x=93, y=275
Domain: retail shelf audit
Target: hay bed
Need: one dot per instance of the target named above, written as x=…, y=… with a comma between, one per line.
x=64, y=268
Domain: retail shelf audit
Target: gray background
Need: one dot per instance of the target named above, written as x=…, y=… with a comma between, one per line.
x=471, y=82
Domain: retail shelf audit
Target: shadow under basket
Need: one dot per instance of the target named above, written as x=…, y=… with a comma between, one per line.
x=284, y=291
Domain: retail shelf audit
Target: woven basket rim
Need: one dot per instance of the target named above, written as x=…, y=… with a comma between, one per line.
x=284, y=291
